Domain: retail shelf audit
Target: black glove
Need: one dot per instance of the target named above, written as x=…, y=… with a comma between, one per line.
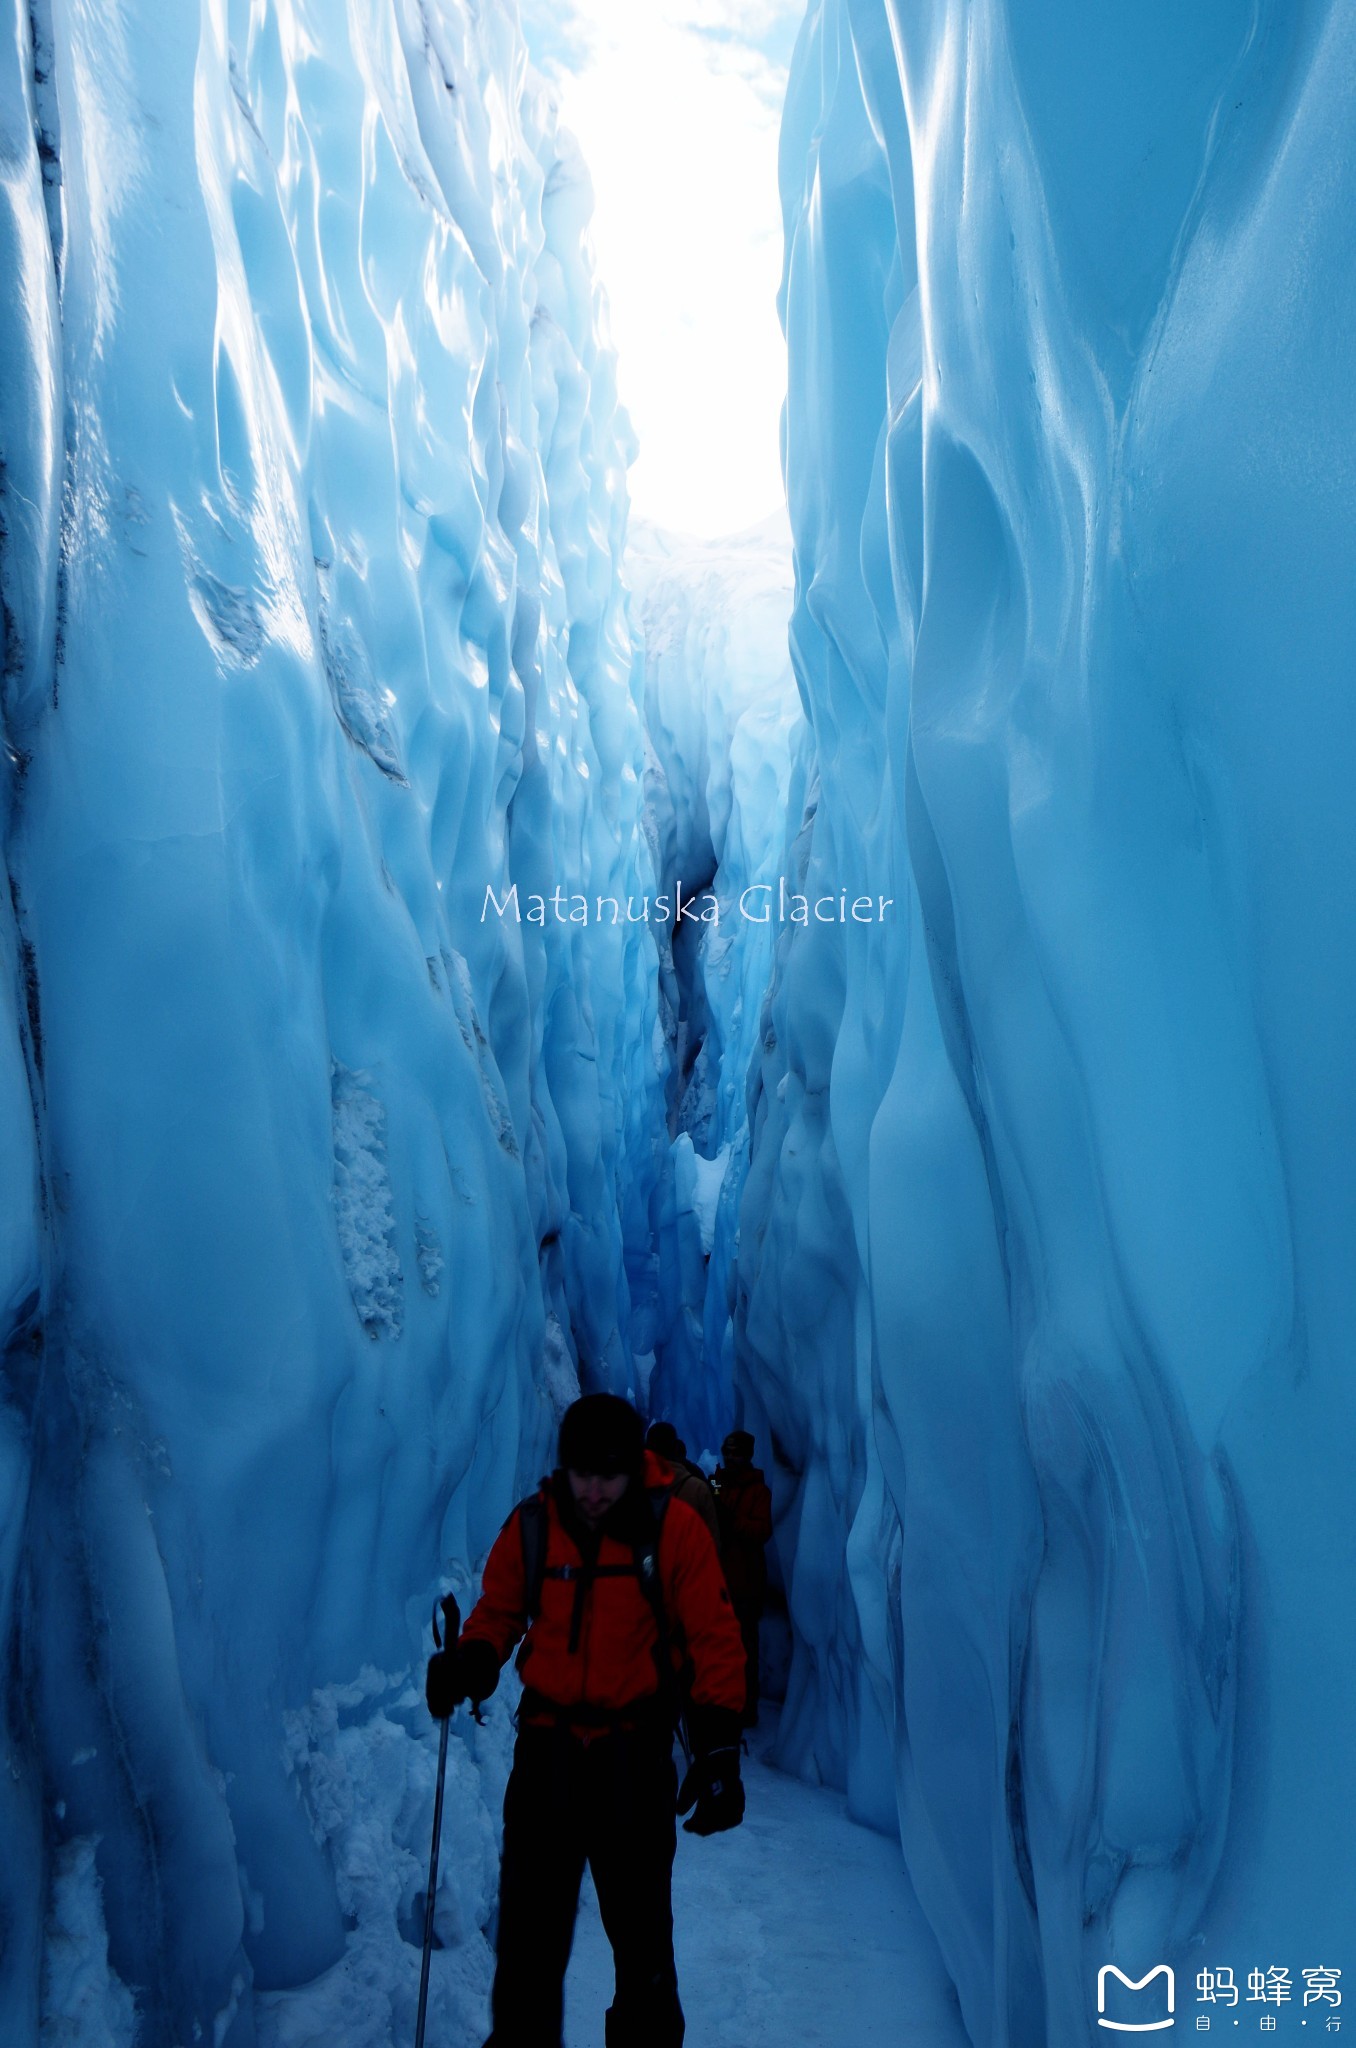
x=463, y=1671
x=713, y=1783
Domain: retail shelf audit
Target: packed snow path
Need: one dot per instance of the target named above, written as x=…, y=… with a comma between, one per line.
x=798, y=1930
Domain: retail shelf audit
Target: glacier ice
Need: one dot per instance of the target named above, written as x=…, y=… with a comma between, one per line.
x=727, y=738
x=314, y=629
x=1016, y=1222
x=1043, y=1287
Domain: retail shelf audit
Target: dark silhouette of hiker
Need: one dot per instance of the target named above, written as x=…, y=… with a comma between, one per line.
x=745, y=1507
x=690, y=1483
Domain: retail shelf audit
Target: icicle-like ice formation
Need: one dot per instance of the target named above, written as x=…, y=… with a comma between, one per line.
x=314, y=649
x=1045, y=1249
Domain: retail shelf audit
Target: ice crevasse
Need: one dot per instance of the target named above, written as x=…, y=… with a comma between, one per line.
x=321, y=1183
x=1020, y=1217
x=1044, y=1287
x=728, y=760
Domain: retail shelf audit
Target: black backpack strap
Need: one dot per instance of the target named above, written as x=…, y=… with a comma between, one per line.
x=647, y=1556
x=533, y=1528
x=673, y=1685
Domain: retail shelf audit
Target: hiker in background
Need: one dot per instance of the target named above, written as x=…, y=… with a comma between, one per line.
x=745, y=1508
x=690, y=1483
x=615, y=1588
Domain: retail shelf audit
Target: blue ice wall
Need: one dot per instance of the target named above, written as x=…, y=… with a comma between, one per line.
x=323, y=1179
x=1045, y=1283
x=728, y=745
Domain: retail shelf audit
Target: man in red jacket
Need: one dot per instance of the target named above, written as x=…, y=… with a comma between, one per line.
x=617, y=1595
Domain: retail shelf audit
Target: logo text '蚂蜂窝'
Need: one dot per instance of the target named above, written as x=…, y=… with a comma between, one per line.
x=1147, y=2004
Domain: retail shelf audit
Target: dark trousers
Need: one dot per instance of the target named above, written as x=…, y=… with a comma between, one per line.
x=608, y=1802
x=748, y=1613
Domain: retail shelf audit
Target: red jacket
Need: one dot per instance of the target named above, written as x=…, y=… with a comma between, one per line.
x=614, y=1664
x=745, y=1505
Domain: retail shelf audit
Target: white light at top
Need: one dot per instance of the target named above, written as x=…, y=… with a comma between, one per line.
x=676, y=106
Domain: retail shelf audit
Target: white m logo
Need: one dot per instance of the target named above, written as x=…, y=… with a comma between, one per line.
x=1135, y=1984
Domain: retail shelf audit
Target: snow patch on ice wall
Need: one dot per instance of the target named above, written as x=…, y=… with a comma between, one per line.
x=365, y=1759
x=1045, y=1286
x=321, y=1187
x=84, y=2005
x=364, y=1206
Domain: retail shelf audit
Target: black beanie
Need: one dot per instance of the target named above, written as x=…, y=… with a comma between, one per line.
x=664, y=1438
x=738, y=1444
x=603, y=1435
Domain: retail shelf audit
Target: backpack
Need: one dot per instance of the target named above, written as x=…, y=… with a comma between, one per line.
x=534, y=1524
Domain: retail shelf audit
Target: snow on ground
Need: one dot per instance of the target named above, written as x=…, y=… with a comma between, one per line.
x=799, y=1929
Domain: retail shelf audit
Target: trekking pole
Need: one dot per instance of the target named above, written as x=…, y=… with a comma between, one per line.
x=451, y=1614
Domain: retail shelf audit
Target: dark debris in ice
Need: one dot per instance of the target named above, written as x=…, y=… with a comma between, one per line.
x=361, y=705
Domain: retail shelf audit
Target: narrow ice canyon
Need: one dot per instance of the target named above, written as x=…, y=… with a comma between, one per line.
x=363, y=1098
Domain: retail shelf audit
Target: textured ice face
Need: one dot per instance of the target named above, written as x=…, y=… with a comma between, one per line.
x=313, y=508
x=312, y=501
x=1050, y=1305
x=728, y=743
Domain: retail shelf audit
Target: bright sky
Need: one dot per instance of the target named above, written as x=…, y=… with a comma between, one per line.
x=676, y=105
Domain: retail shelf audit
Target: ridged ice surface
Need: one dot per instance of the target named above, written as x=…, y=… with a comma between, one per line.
x=1053, y=1191
x=728, y=743
x=313, y=495
x=1025, y=1210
